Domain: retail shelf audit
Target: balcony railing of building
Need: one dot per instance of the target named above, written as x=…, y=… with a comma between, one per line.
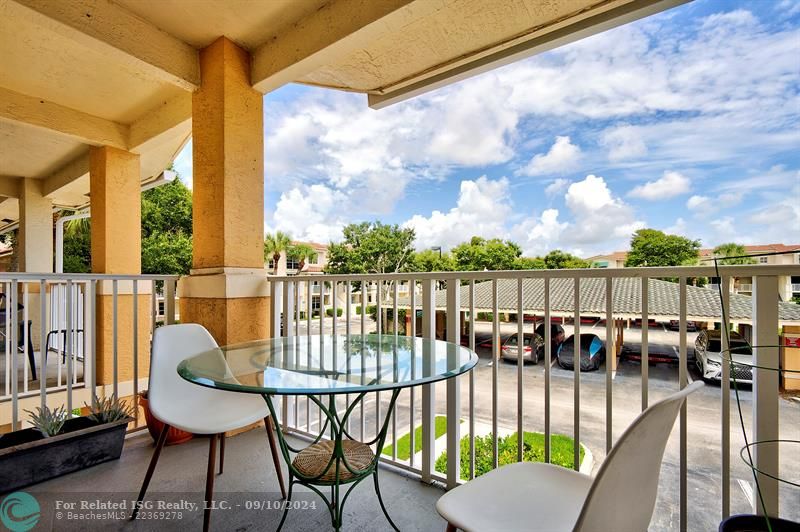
x=420, y=407
x=69, y=371
x=58, y=333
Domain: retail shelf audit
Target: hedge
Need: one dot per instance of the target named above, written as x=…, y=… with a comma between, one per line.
x=329, y=312
x=561, y=452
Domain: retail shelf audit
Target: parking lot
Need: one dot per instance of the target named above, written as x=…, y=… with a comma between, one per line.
x=704, y=415
x=703, y=421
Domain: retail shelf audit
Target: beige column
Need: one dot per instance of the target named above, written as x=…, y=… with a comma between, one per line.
x=226, y=291
x=115, y=184
x=35, y=228
x=35, y=244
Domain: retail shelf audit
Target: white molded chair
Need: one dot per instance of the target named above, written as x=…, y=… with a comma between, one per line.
x=197, y=409
x=534, y=496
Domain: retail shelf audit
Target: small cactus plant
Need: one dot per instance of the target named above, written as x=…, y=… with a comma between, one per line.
x=48, y=422
x=109, y=409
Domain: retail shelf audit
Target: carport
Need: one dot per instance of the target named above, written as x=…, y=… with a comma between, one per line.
x=663, y=303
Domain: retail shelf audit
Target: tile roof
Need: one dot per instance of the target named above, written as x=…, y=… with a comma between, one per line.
x=702, y=304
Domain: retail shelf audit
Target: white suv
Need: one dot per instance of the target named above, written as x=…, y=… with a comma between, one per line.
x=708, y=356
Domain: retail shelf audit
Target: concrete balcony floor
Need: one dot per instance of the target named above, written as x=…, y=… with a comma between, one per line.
x=248, y=475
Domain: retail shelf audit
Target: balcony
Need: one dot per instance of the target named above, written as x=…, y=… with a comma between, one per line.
x=702, y=476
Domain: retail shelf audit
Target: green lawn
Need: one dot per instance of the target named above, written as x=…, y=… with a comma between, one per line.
x=404, y=443
x=561, y=452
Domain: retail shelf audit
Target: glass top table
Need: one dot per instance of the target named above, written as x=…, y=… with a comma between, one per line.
x=329, y=366
x=322, y=365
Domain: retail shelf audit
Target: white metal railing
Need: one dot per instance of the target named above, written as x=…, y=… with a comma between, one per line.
x=54, y=338
x=795, y=287
x=419, y=406
x=745, y=287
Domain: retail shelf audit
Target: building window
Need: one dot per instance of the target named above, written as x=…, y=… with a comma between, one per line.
x=271, y=264
x=763, y=260
x=292, y=264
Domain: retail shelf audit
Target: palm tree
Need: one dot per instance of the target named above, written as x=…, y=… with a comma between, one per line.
x=300, y=252
x=275, y=244
x=732, y=253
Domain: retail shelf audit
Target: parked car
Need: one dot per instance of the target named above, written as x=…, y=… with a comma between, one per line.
x=708, y=356
x=675, y=325
x=556, y=338
x=592, y=352
x=533, y=348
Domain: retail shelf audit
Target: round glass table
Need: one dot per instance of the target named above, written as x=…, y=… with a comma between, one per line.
x=323, y=367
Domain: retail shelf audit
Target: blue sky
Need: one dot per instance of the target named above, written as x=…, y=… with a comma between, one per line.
x=688, y=121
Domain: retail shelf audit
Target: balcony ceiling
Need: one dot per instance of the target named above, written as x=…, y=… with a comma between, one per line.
x=77, y=73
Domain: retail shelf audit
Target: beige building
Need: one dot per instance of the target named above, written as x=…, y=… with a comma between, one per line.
x=788, y=286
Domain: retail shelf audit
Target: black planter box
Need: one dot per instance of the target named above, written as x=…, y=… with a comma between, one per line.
x=27, y=457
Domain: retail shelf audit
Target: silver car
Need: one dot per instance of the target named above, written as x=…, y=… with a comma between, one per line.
x=533, y=345
x=708, y=356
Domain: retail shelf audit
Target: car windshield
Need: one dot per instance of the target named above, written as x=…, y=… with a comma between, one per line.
x=738, y=347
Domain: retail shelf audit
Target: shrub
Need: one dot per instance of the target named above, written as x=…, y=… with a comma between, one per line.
x=329, y=312
x=48, y=422
x=485, y=316
x=561, y=452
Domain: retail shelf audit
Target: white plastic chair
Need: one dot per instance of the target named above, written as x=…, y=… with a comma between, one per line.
x=197, y=409
x=534, y=496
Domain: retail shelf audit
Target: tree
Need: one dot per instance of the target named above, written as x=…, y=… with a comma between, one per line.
x=650, y=247
x=301, y=252
x=166, y=233
x=429, y=260
x=559, y=260
x=371, y=248
x=529, y=263
x=275, y=244
x=480, y=254
x=167, y=229
x=732, y=253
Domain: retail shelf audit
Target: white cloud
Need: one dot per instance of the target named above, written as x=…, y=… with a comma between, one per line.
x=562, y=157
x=697, y=202
x=538, y=236
x=600, y=217
x=482, y=209
x=311, y=213
x=623, y=142
x=671, y=184
x=558, y=186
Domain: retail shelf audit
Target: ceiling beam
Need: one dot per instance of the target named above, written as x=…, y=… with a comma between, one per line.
x=588, y=23
x=116, y=32
x=335, y=29
x=9, y=186
x=70, y=172
x=164, y=119
x=81, y=126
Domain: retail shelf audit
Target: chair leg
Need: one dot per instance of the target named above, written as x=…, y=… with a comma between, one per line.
x=212, y=456
x=221, y=452
x=31, y=359
x=273, y=447
x=162, y=439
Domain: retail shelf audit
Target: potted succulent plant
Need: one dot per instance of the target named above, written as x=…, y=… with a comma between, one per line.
x=154, y=426
x=60, y=443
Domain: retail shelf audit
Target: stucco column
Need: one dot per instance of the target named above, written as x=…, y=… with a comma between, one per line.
x=35, y=228
x=227, y=291
x=115, y=190
x=35, y=244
